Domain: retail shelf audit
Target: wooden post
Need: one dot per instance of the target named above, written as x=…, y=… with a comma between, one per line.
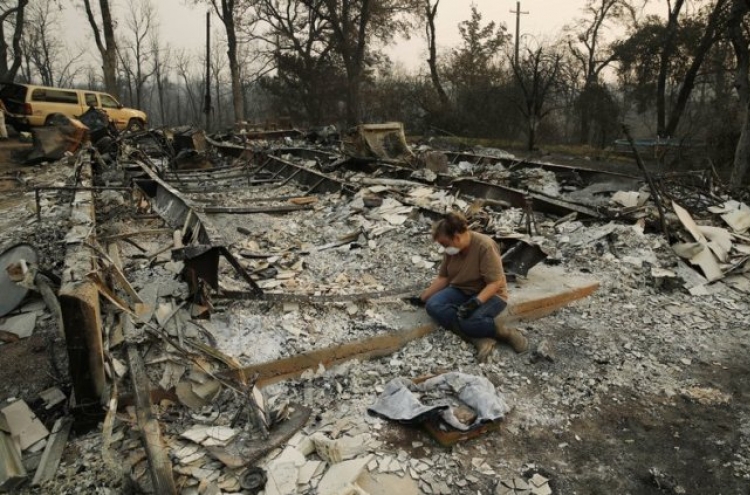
x=650, y=180
x=207, y=107
x=518, y=31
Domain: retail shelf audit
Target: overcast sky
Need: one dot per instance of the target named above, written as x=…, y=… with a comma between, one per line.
x=182, y=23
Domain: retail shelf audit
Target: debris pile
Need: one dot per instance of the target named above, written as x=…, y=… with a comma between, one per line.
x=240, y=307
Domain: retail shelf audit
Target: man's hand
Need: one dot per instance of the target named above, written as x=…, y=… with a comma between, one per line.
x=415, y=301
x=467, y=308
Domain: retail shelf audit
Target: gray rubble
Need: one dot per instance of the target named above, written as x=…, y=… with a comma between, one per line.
x=640, y=338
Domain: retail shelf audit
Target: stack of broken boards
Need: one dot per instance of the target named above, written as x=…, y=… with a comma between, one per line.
x=719, y=253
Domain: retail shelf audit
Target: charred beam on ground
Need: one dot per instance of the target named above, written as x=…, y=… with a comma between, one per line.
x=655, y=193
x=156, y=449
x=53, y=451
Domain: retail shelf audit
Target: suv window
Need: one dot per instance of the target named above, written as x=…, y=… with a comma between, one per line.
x=14, y=96
x=54, y=96
x=108, y=102
x=91, y=100
x=13, y=92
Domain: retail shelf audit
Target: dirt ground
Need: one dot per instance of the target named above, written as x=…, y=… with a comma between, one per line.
x=618, y=448
x=25, y=365
x=11, y=170
x=628, y=441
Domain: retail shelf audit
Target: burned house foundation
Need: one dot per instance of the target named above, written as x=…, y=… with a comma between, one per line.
x=231, y=319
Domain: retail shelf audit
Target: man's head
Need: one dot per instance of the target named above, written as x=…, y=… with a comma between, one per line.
x=452, y=232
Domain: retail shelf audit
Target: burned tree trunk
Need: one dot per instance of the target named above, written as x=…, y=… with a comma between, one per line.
x=234, y=70
x=710, y=37
x=108, y=46
x=741, y=45
x=227, y=14
x=431, y=14
x=666, y=54
x=8, y=72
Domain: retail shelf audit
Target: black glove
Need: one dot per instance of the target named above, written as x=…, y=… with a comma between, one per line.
x=415, y=301
x=467, y=308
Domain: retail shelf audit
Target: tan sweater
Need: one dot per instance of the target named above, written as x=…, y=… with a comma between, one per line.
x=479, y=265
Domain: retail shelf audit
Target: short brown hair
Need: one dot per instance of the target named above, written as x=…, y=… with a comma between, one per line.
x=449, y=226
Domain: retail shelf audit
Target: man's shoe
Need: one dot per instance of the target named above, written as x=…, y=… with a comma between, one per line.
x=484, y=348
x=512, y=336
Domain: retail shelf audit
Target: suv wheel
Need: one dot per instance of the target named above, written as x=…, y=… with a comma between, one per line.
x=135, y=125
x=56, y=119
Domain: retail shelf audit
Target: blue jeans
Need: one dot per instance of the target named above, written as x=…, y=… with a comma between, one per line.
x=443, y=306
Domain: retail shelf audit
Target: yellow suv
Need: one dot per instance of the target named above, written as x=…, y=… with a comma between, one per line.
x=31, y=106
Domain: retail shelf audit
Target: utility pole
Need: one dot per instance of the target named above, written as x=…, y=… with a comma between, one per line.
x=518, y=30
x=207, y=103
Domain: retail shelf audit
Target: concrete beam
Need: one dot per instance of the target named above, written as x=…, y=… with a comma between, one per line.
x=544, y=291
x=293, y=367
x=79, y=303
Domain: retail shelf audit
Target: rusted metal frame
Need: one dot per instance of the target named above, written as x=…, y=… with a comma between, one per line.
x=13, y=178
x=275, y=134
x=202, y=262
x=181, y=178
x=306, y=153
x=248, y=174
x=172, y=207
x=318, y=180
x=272, y=199
x=548, y=204
x=397, y=171
x=207, y=178
x=249, y=211
x=206, y=172
x=170, y=204
x=256, y=290
x=263, y=165
x=281, y=170
x=586, y=173
x=125, y=235
x=214, y=170
x=38, y=202
x=214, y=188
x=288, y=179
x=314, y=186
x=486, y=190
x=473, y=158
x=177, y=212
x=143, y=157
x=520, y=199
x=230, y=149
x=205, y=175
